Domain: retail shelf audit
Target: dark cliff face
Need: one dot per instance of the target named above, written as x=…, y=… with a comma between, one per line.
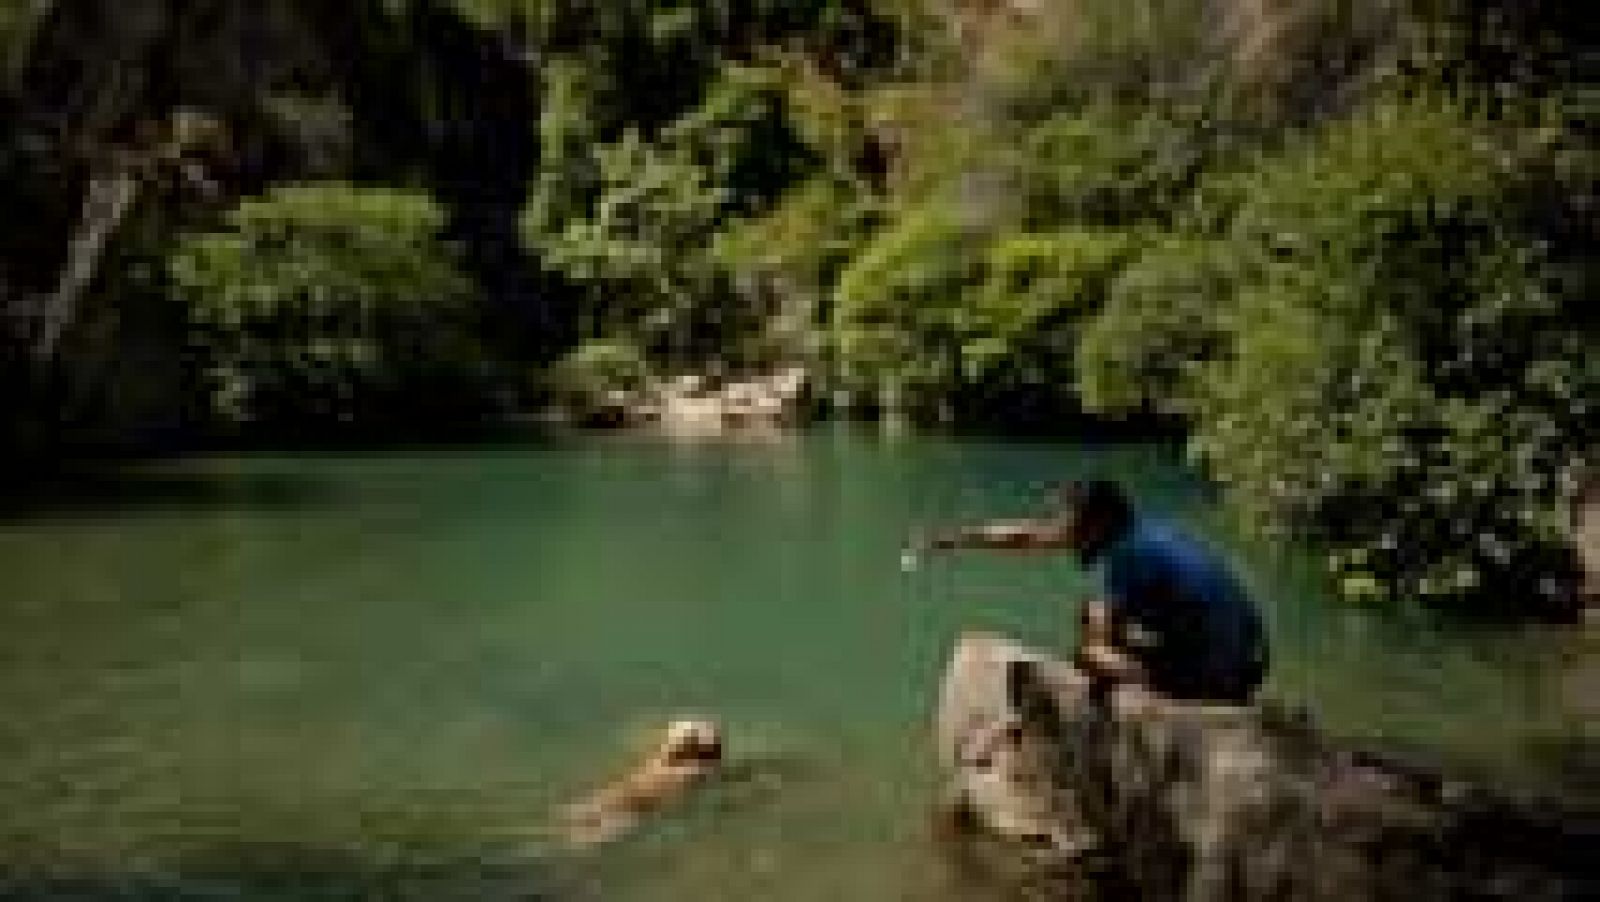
x=297, y=89
x=95, y=69
x=429, y=97
x=98, y=78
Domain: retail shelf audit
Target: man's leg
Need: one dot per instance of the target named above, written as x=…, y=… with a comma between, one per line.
x=1236, y=686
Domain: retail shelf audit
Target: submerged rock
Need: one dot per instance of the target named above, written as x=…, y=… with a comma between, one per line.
x=1156, y=799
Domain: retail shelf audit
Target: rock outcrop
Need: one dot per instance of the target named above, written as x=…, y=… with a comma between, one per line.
x=1147, y=798
x=698, y=404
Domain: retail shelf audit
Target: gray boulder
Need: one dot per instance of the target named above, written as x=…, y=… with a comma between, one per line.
x=1143, y=797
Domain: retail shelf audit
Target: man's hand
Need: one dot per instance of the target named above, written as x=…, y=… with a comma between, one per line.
x=940, y=541
x=1108, y=663
x=1100, y=650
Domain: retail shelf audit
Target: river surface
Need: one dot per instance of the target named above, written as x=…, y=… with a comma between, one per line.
x=374, y=675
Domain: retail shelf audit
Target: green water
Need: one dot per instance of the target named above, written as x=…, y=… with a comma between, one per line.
x=374, y=675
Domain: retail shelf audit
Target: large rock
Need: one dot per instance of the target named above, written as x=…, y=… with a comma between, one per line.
x=1156, y=799
x=694, y=404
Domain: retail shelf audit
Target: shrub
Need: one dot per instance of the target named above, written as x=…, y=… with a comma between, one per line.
x=931, y=307
x=638, y=252
x=1163, y=317
x=599, y=375
x=1400, y=365
x=318, y=298
x=1111, y=164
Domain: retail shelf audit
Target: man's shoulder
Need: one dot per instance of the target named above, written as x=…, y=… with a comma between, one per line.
x=1149, y=538
x=1162, y=550
x=1166, y=537
x=1143, y=555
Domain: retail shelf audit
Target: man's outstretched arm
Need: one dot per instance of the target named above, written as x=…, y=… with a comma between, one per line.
x=1014, y=535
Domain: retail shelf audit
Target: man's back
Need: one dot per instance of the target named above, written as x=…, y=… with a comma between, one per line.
x=1203, y=636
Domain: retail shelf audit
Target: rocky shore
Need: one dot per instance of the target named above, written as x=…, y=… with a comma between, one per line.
x=704, y=403
x=1140, y=797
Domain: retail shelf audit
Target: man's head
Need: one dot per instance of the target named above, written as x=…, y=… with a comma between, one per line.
x=1098, y=513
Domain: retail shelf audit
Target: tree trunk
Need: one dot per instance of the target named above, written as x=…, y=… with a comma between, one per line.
x=107, y=201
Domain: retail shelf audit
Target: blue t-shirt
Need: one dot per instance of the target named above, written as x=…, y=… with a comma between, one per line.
x=1195, y=619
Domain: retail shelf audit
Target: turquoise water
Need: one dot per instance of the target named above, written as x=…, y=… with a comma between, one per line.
x=375, y=675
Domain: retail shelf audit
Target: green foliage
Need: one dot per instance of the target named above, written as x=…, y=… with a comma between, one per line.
x=1112, y=164
x=567, y=179
x=932, y=306
x=807, y=238
x=785, y=264
x=653, y=204
x=599, y=375
x=1023, y=318
x=896, y=306
x=641, y=248
x=638, y=257
x=316, y=298
x=1378, y=346
x=1163, y=317
x=18, y=18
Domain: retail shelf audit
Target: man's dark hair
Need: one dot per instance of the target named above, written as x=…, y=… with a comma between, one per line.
x=1099, y=500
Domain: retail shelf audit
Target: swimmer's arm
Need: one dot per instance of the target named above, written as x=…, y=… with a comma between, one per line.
x=1014, y=535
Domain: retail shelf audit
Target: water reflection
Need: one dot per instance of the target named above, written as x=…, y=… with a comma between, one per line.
x=115, y=491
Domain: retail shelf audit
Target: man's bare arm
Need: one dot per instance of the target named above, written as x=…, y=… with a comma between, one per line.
x=1014, y=535
x=1099, y=650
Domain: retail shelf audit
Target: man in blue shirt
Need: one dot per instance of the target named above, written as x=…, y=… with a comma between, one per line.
x=1173, y=615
